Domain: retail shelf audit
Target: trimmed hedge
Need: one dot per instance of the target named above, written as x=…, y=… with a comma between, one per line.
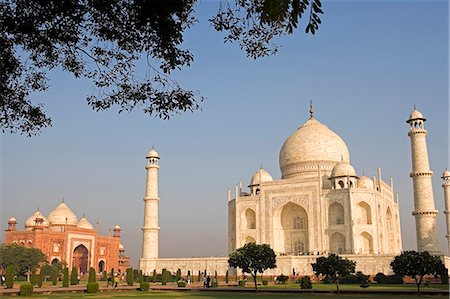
x=181, y=284
x=65, y=283
x=242, y=283
x=380, y=278
x=26, y=289
x=130, y=276
x=9, y=279
x=92, y=287
x=305, y=283
x=144, y=286
x=265, y=282
x=74, y=276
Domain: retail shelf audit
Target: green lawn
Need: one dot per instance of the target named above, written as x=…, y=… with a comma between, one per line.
x=213, y=295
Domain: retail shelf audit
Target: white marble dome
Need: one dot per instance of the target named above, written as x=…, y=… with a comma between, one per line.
x=152, y=154
x=121, y=247
x=343, y=169
x=309, y=145
x=365, y=182
x=446, y=174
x=60, y=213
x=416, y=114
x=30, y=222
x=260, y=176
x=84, y=223
x=12, y=219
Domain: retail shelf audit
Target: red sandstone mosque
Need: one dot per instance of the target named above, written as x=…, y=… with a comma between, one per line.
x=62, y=237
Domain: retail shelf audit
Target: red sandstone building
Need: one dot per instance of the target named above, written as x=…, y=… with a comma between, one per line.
x=61, y=237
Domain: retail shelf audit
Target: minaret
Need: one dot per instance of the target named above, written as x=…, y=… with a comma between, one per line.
x=424, y=208
x=150, y=229
x=446, y=186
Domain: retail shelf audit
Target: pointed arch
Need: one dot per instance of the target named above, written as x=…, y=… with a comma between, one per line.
x=336, y=214
x=337, y=243
x=364, y=213
x=80, y=258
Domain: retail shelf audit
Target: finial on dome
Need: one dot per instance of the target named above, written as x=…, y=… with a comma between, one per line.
x=415, y=107
x=311, y=109
x=62, y=199
x=84, y=215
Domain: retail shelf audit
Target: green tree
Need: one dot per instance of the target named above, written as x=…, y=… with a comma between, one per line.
x=130, y=276
x=199, y=276
x=154, y=276
x=40, y=279
x=227, y=279
x=97, y=41
x=416, y=265
x=9, y=277
x=334, y=268
x=112, y=275
x=65, y=282
x=164, y=277
x=24, y=260
x=74, y=276
x=253, y=259
x=55, y=274
x=178, y=275
x=92, y=277
x=33, y=278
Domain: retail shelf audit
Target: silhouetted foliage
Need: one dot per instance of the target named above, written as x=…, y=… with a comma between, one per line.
x=334, y=268
x=416, y=265
x=253, y=259
x=23, y=259
x=104, y=40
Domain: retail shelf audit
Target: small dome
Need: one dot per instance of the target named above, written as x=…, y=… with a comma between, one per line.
x=343, y=169
x=116, y=227
x=416, y=114
x=307, y=146
x=446, y=173
x=12, y=219
x=260, y=176
x=31, y=221
x=121, y=246
x=59, y=215
x=152, y=154
x=365, y=182
x=84, y=223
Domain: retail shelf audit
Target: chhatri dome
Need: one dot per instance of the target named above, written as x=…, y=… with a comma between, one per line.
x=152, y=153
x=84, y=223
x=310, y=145
x=343, y=169
x=60, y=214
x=31, y=221
x=260, y=176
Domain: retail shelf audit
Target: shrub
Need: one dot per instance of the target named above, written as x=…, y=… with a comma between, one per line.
x=265, y=282
x=199, y=276
x=242, y=283
x=54, y=276
x=178, y=276
x=363, y=279
x=137, y=275
x=164, y=277
x=33, y=278
x=144, y=286
x=104, y=275
x=305, y=283
x=65, y=283
x=92, y=287
x=380, y=278
x=154, y=276
x=130, y=276
x=21, y=278
x=227, y=279
x=181, y=284
x=282, y=279
x=40, y=279
x=26, y=289
x=74, y=276
x=349, y=279
x=9, y=279
x=92, y=277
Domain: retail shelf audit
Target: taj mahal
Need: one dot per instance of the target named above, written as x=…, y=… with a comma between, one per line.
x=320, y=205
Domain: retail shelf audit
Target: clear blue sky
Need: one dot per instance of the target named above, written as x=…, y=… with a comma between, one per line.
x=367, y=65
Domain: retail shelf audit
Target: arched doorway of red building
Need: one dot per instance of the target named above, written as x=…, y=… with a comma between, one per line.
x=101, y=266
x=80, y=259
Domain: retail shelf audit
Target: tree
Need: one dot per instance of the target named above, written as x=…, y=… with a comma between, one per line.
x=55, y=274
x=253, y=259
x=24, y=260
x=178, y=275
x=154, y=276
x=98, y=41
x=65, y=282
x=92, y=277
x=130, y=276
x=74, y=276
x=334, y=268
x=416, y=265
x=227, y=279
x=9, y=277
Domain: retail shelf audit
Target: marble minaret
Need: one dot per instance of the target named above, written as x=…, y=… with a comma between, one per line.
x=151, y=228
x=446, y=186
x=424, y=208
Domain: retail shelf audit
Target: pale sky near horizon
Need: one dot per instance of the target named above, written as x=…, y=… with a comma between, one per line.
x=366, y=67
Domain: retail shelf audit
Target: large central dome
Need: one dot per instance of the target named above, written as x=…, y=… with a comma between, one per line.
x=311, y=146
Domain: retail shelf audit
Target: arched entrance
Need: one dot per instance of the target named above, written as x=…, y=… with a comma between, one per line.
x=80, y=258
x=294, y=223
x=101, y=266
